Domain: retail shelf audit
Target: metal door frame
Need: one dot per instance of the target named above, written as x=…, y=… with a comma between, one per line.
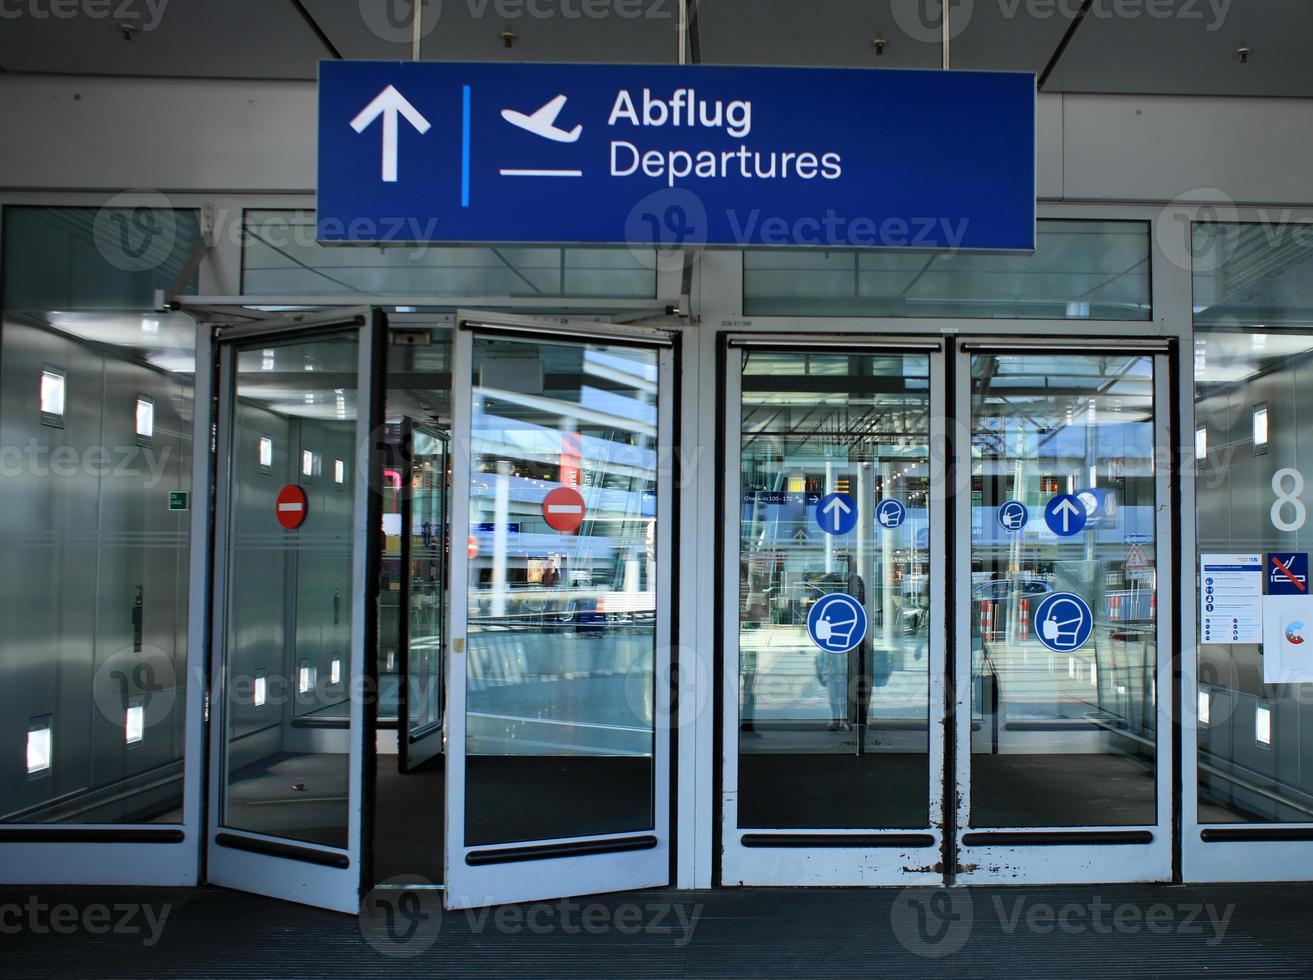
x=278, y=867
x=779, y=856
x=1094, y=853
x=544, y=869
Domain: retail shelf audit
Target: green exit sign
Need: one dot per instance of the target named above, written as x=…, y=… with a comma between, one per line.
x=179, y=499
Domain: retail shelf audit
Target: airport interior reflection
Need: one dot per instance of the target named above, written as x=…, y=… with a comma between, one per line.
x=832, y=733
x=1063, y=590
x=564, y=571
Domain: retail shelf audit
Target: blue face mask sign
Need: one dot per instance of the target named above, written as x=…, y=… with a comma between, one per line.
x=890, y=514
x=837, y=623
x=1013, y=516
x=836, y=513
x=1065, y=515
x=1063, y=622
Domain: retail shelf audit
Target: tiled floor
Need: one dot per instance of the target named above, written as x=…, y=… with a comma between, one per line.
x=1103, y=931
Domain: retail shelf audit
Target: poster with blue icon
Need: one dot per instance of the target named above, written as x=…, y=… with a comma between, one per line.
x=1231, y=598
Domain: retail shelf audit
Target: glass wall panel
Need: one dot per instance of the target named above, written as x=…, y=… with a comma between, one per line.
x=96, y=417
x=833, y=731
x=110, y=258
x=1063, y=626
x=1082, y=270
x=281, y=257
x=560, y=726
x=1253, y=296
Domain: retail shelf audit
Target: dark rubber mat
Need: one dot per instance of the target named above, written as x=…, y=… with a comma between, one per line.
x=1101, y=931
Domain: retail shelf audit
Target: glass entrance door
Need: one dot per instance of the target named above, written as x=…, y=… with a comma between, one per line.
x=834, y=612
x=1063, y=545
x=558, y=762
x=919, y=542
x=296, y=558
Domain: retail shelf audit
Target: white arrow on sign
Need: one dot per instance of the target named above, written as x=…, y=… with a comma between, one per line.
x=834, y=505
x=1066, y=508
x=389, y=104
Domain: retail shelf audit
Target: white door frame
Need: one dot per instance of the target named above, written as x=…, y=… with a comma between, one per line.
x=292, y=870
x=1067, y=855
x=779, y=856
x=1004, y=860
x=544, y=869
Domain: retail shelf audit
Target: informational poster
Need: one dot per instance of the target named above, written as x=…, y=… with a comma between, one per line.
x=1287, y=639
x=1231, y=598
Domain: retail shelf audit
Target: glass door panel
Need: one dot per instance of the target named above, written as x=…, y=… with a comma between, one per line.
x=561, y=587
x=424, y=530
x=290, y=587
x=1062, y=518
x=830, y=632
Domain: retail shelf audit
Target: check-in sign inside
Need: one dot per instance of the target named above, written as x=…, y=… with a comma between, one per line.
x=676, y=155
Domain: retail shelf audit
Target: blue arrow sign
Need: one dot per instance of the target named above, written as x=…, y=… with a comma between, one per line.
x=837, y=622
x=675, y=155
x=836, y=513
x=1063, y=621
x=1065, y=515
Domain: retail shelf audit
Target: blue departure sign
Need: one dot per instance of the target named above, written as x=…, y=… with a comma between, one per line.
x=837, y=622
x=675, y=155
x=836, y=513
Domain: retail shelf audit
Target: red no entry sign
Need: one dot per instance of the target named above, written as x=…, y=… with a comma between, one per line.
x=563, y=509
x=290, y=507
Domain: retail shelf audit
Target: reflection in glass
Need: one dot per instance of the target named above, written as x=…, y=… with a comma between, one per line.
x=281, y=255
x=833, y=735
x=1080, y=270
x=562, y=624
x=289, y=598
x=1063, y=733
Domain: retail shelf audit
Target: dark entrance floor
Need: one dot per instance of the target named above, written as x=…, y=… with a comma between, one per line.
x=1253, y=931
x=890, y=789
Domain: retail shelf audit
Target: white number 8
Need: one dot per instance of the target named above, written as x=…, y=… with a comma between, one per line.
x=1290, y=499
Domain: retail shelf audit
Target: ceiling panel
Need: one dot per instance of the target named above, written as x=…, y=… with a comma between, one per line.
x=1000, y=35
x=833, y=33
x=232, y=39
x=1009, y=35
x=1192, y=50
x=556, y=30
x=369, y=29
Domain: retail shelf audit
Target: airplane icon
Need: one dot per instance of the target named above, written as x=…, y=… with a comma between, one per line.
x=542, y=122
